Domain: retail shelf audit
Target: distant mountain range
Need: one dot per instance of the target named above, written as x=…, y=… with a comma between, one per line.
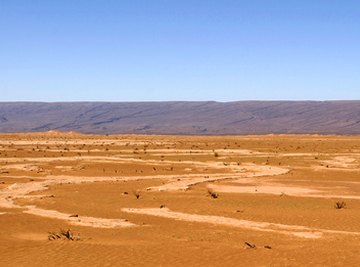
x=184, y=118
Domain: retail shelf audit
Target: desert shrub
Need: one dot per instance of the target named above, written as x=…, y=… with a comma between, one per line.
x=63, y=234
x=137, y=194
x=213, y=194
x=340, y=205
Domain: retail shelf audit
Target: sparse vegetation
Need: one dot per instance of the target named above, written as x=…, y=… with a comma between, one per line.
x=213, y=194
x=64, y=235
x=227, y=196
x=137, y=194
x=340, y=205
x=249, y=245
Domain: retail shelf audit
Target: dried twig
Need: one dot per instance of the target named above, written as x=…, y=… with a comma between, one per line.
x=250, y=245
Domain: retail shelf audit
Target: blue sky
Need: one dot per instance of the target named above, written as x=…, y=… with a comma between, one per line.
x=108, y=50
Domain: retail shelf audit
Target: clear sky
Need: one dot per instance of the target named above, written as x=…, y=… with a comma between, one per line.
x=223, y=50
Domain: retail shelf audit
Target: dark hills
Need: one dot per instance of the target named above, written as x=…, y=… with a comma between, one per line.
x=184, y=118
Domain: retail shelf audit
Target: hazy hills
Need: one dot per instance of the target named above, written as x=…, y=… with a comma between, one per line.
x=189, y=118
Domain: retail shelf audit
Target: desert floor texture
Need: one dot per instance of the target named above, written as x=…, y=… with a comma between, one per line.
x=68, y=199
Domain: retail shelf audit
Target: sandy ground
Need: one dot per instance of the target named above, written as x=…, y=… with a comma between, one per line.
x=179, y=201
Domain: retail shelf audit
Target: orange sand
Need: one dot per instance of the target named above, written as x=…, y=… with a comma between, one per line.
x=277, y=192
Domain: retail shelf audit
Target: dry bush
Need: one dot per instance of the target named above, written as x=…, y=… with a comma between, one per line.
x=340, y=205
x=213, y=194
x=137, y=194
x=64, y=235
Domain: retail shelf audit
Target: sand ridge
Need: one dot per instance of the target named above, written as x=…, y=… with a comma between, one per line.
x=79, y=220
x=294, y=230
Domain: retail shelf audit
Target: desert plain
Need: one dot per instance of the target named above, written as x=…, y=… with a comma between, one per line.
x=68, y=199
